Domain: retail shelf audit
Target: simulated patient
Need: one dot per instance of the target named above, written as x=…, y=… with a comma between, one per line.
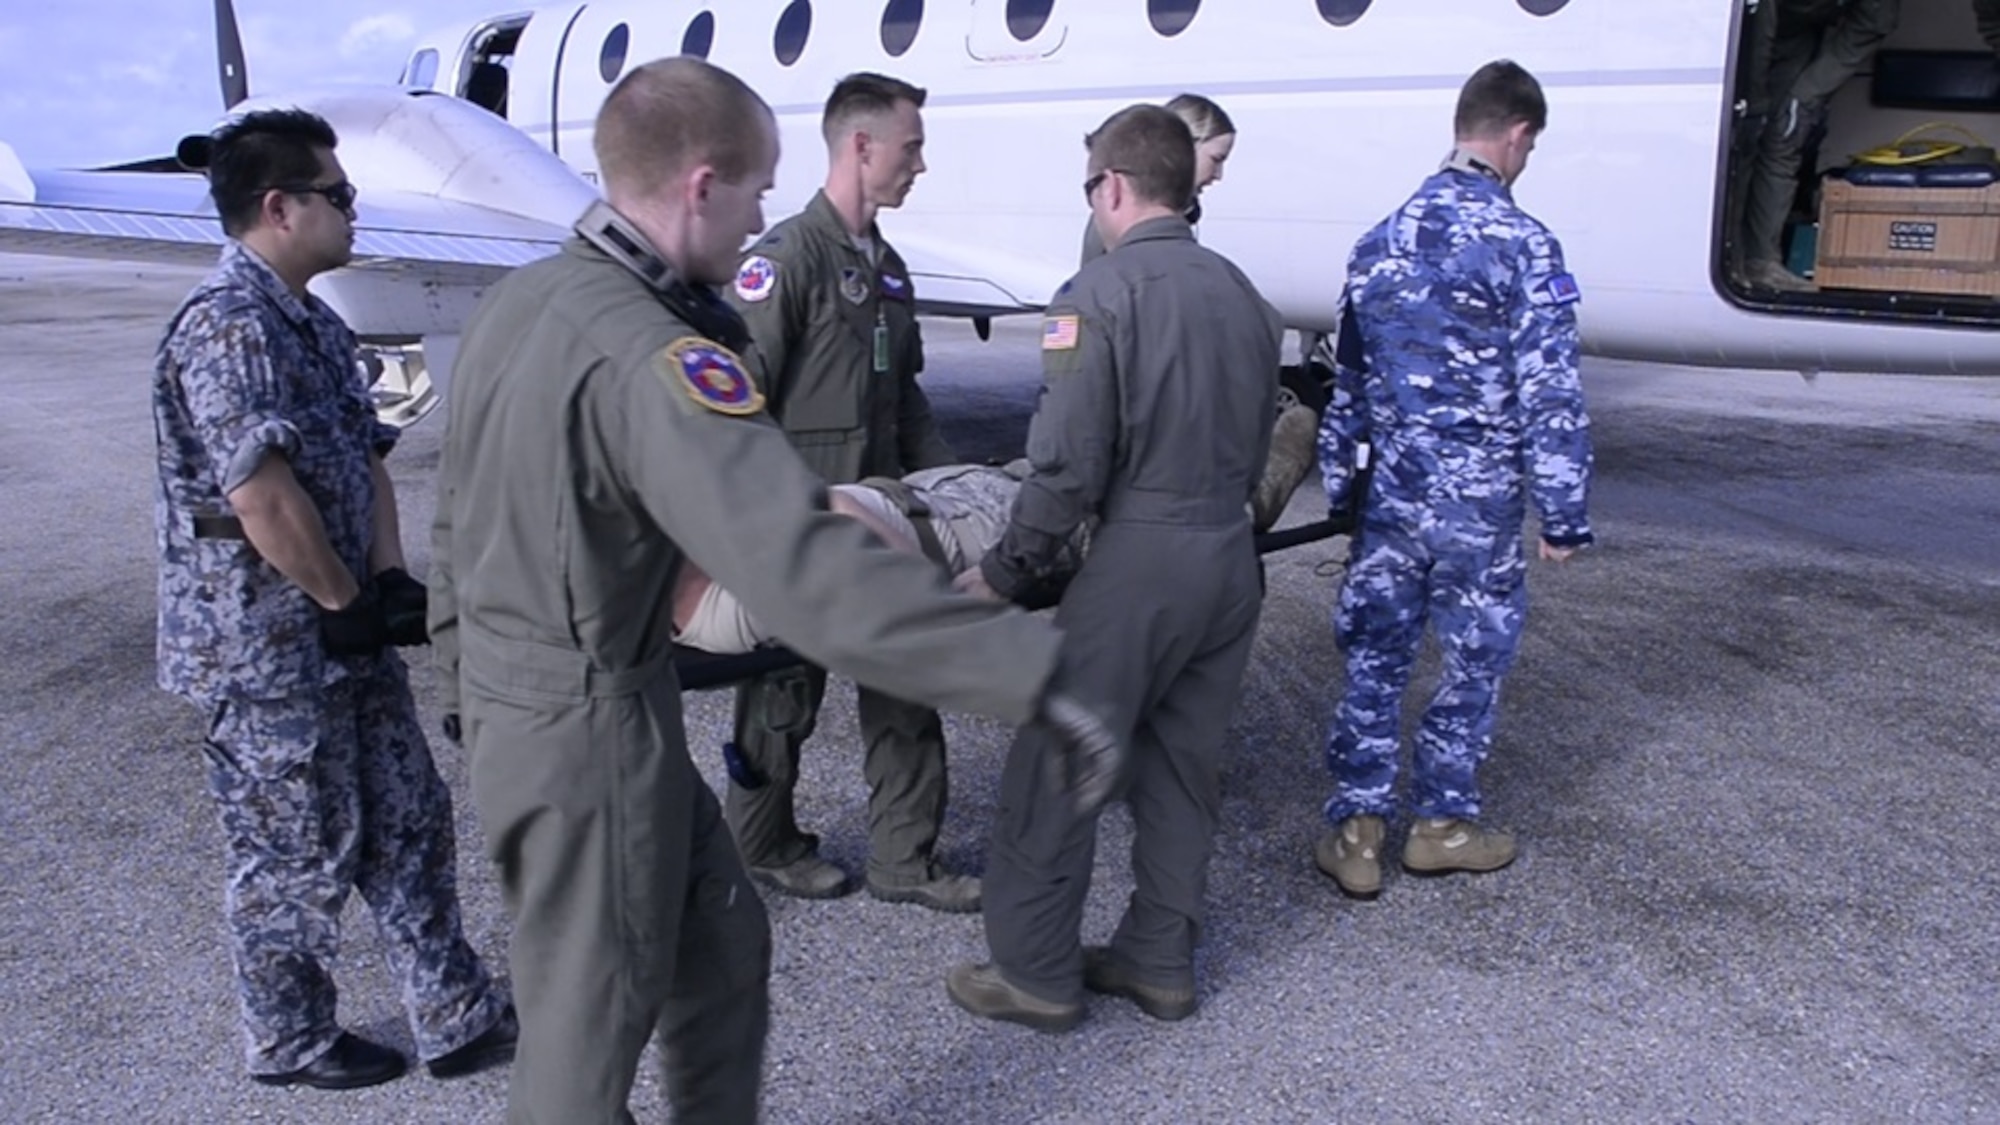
x=968, y=507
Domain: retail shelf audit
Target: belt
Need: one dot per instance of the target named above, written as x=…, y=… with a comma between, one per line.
x=218, y=527
x=919, y=514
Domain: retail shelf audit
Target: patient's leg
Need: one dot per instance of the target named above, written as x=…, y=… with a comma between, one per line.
x=877, y=513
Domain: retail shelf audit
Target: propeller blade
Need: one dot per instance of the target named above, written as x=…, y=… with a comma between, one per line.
x=229, y=54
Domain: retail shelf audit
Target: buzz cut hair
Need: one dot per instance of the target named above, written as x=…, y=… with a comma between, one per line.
x=1499, y=96
x=672, y=114
x=864, y=95
x=259, y=151
x=1154, y=149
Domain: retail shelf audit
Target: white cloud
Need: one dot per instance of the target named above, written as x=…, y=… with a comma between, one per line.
x=370, y=38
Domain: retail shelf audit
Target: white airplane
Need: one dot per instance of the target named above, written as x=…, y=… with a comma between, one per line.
x=481, y=157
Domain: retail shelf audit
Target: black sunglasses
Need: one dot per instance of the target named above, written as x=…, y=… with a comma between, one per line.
x=1090, y=185
x=341, y=195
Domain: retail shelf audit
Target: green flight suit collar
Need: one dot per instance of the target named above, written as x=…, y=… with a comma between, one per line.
x=1166, y=228
x=821, y=213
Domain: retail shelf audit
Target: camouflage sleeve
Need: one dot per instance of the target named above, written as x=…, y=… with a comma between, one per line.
x=1343, y=425
x=382, y=437
x=1556, y=431
x=1847, y=48
x=770, y=294
x=1071, y=446
x=235, y=394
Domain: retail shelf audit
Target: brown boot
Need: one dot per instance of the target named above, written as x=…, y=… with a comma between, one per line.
x=1441, y=844
x=986, y=992
x=1351, y=852
x=1294, y=440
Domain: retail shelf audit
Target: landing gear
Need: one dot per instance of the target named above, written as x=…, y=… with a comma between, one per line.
x=398, y=384
x=1308, y=383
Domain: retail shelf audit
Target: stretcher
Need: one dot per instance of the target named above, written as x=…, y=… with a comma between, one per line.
x=700, y=671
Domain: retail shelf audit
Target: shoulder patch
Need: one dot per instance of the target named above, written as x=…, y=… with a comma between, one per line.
x=757, y=278
x=895, y=288
x=1560, y=289
x=1060, y=333
x=711, y=374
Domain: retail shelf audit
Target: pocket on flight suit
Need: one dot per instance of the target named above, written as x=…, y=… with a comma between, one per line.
x=787, y=702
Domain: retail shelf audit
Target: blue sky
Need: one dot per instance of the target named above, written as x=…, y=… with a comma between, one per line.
x=100, y=81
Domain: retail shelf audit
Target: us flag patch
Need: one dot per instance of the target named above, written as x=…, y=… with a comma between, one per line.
x=1059, y=333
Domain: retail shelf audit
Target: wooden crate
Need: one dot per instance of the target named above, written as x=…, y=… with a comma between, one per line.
x=1909, y=239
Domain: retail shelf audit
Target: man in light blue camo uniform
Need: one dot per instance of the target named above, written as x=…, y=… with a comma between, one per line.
x=1457, y=377
x=281, y=591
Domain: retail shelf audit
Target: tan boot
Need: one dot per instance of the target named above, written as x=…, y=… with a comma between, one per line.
x=1439, y=845
x=1767, y=273
x=986, y=992
x=1294, y=439
x=1351, y=852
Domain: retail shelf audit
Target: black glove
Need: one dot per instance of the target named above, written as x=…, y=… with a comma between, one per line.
x=1089, y=757
x=454, y=730
x=405, y=605
x=355, y=629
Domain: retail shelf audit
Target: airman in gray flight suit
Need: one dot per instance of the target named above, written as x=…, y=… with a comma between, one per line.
x=1801, y=52
x=1160, y=380
x=602, y=432
x=832, y=310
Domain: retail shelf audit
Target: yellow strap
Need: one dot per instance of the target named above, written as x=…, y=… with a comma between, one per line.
x=1908, y=149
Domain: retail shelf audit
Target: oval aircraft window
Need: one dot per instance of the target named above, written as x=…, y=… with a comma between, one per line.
x=611, y=59
x=900, y=21
x=789, y=41
x=1543, y=7
x=700, y=36
x=1171, y=17
x=1026, y=18
x=1340, y=13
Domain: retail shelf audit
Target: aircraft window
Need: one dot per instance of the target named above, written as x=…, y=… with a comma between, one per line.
x=1544, y=7
x=1171, y=17
x=1026, y=18
x=700, y=36
x=611, y=59
x=1340, y=13
x=789, y=41
x=900, y=21
x=423, y=69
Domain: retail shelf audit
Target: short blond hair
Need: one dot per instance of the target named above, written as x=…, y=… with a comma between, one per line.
x=672, y=114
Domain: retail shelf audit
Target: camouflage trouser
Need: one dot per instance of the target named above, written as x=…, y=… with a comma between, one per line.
x=319, y=794
x=1466, y=578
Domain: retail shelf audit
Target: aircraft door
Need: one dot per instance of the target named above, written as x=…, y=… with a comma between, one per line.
x=533, y=103
x=1017, y=30
x=595, y=55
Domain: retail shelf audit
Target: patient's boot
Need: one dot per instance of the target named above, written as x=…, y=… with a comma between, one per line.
x=1292, y=442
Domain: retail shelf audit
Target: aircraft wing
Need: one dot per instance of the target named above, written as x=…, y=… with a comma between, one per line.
x=954, y=279
x=167, y=217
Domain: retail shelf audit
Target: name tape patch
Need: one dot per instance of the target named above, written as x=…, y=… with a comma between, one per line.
x=895, y=287
x=1059, y=333
x=711, y=374
x=757, y=278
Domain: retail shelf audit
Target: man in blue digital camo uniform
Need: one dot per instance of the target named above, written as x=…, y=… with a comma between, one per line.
x=1457, y=373
x=1159, y=364
x=281, y=591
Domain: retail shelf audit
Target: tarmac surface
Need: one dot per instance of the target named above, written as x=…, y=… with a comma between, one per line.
x=1750, y=749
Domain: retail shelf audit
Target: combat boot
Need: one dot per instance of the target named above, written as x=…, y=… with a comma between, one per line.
x=986, y=992
x=1107, y=973
x=1441, y=844
x=1351, y=852
x=1293, y=441
x=939, y=890
x=809, y=876
x=1768, y=273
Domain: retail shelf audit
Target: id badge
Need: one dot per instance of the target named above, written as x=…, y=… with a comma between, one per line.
x=881, y=347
